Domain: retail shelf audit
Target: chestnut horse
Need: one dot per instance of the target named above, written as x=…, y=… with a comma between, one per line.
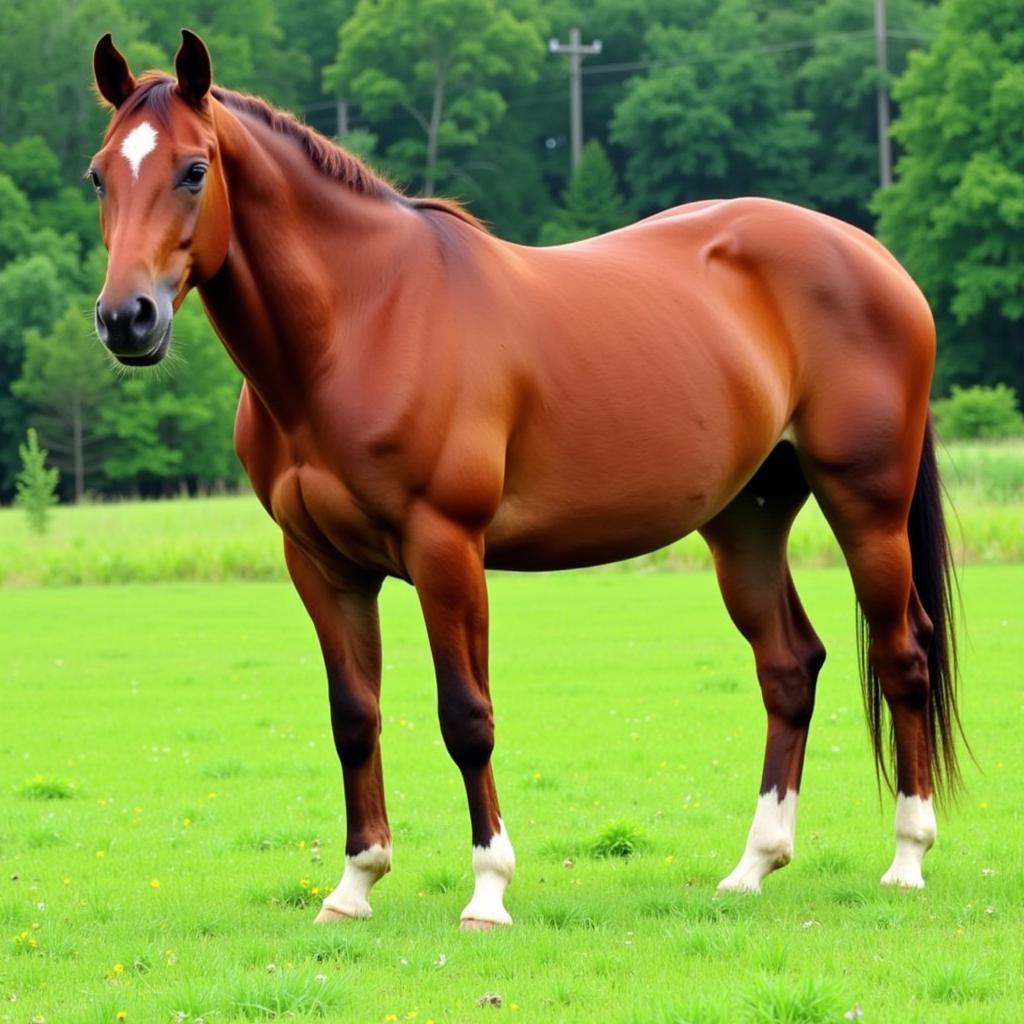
x=423, y=400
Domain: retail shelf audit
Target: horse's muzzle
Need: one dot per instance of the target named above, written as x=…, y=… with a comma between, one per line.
x=136, y=332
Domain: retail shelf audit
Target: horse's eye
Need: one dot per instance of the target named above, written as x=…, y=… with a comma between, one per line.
x=193, y=177
x=96, y=183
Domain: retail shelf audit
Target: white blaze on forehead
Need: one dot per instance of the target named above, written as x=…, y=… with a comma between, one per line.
x=138, y=144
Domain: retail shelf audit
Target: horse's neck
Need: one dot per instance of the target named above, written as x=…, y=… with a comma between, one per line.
x=306, y=254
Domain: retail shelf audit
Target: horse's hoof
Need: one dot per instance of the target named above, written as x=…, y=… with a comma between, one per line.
x=902, y=880
x=328, y=915
x=473, y=924
x=746, y=886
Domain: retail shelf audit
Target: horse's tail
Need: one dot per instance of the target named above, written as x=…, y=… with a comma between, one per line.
x=935, y=581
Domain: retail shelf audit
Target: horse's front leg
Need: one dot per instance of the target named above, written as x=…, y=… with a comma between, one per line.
x=345, y=616
x=445, y=561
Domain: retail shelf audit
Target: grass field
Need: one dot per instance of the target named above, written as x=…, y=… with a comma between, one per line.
x=168, y=772
x=232, y=538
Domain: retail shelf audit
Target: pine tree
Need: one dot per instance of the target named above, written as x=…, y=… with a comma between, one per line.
x=66, y=378
x=36, y=484
x=592, y=201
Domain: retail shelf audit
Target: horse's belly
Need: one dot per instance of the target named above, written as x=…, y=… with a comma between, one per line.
x=532, y=545
x=602, y=517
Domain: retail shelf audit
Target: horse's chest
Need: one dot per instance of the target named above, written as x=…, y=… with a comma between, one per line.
x=320, y=514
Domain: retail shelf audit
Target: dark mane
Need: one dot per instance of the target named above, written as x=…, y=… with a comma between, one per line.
x=155, y=91
x=332, y=160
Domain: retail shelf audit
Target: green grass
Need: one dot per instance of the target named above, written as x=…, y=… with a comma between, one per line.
x=189, y=806
x=232, y=538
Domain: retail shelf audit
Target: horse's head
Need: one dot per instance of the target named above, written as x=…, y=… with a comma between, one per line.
x=163, y=203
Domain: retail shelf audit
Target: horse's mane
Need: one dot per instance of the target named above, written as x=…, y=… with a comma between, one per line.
x=156, y=89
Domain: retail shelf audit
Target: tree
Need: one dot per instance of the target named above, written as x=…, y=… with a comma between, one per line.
x=45, y=70
x=955, y=215
x=31, y=295
x=36, y=484
x=441, y=62
x=722, y=123
x=592, y=201
x=32, y=166
x=66, y=379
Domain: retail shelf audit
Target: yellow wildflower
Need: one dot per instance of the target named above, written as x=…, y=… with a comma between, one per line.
x=154, y=883
x=117, y=969
x=100, y=854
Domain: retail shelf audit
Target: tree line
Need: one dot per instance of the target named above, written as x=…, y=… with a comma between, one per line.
x=712, y=98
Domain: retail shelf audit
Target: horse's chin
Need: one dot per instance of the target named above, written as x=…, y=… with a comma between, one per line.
x=155, y=354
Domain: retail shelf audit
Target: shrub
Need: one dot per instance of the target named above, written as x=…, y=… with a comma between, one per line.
x=979, y=412
x=36, y=484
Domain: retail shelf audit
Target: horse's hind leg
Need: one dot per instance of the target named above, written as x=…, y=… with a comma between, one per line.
x=748, y=540
x=345, y=617
x=867, y=507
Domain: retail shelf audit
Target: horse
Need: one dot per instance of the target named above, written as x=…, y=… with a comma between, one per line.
x=423, y=400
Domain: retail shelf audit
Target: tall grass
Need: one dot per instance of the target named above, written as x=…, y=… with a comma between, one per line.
x=232, y=538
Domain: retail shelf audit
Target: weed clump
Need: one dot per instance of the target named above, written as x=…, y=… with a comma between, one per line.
x=776, y=1001
x=47, y=787
x=619, y=839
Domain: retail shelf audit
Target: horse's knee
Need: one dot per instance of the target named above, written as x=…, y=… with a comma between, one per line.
x=788, y=682
x=467, y=727
x=355, y=723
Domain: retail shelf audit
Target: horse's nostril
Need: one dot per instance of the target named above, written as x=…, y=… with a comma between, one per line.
x=144, y=316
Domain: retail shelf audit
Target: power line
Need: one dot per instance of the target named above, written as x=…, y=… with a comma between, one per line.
x=703, y=58
x=644, y=65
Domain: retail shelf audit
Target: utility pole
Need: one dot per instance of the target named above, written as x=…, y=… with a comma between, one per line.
x=882, y=59
x=342, y=123
x=575, y=51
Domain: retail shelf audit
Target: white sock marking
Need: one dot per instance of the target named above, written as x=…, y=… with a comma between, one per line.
x=915, y=833
x=769, y=842
x=493, y=867
x=137, y=145
x=361, y=872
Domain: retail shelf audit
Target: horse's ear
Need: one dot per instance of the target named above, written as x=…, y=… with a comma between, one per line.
x=113, y=76
x=193, y=68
